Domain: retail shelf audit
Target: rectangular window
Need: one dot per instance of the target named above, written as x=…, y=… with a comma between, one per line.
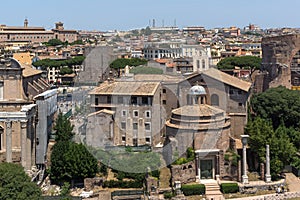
x=148, y=140
x=124, y=113
x=145, y=100
x=135, y=113
x=123, y=125
x=164, y=102
x=134, y=100
x=148, y=126
x=148, y=114
x=123, y=138
x=135, y=126
x=135, y=141
x=96, y=101
x=240, y=104
x=230, y=91
x=108, y=99
x=164, y=91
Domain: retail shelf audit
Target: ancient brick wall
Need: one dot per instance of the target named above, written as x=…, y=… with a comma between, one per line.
x=278, y=53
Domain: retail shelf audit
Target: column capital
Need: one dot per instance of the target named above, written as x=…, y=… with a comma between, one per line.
x=24, y=124
x=8, y=124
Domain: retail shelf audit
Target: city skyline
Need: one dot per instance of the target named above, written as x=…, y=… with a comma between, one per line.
x=133, y=14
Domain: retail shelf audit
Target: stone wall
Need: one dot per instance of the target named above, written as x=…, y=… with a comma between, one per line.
x=278, y=53
x=185, y=173
x=104, y=195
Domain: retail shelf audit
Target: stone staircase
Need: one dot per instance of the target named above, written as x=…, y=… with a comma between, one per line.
x=212, y=191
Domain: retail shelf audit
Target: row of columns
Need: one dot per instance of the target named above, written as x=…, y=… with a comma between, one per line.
x=27, y=143
x=245, y=176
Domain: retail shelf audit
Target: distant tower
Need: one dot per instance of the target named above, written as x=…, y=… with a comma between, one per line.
x=59, y=26
x=25, y=23
x=153, y=23
x=174, y=22
x=163, y=23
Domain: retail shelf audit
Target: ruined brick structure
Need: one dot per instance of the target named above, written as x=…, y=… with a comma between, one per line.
x=280, y=61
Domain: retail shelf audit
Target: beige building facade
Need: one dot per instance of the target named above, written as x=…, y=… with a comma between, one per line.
x=36, y=34
x=131, y=111
x=19, y=84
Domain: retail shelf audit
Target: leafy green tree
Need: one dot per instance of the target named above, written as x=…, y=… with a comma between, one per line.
x=147, y=31
x=280, y=105
x=282, y=150
x=244, y=62
x=54, y=42
x=45, y=63
x=63, y=128
x=261, y=133
x=65, y=189
x=71, y=161
x=15, y=184
x=65, y=70
x=121, y=63
x=80, y=42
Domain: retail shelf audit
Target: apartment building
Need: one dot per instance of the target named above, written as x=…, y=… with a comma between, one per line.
x=126, y=113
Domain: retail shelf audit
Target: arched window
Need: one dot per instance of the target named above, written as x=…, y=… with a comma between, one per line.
x=214, y=100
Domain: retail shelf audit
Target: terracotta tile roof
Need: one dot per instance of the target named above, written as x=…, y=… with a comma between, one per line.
x=29, y=71
x=126, y=88
x=162, y=60
x=171, y=64
x=228, y=79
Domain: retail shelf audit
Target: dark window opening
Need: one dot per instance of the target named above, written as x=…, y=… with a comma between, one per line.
x=134, y=100
x=135, y=126
x=145, y=100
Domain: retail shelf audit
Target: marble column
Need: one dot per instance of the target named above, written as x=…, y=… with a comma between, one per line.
x=268, y=173
x=23, y=143
x=245, y=176
x=8, y=141
x=197, y=165
x=28, y=145
x=33, y=140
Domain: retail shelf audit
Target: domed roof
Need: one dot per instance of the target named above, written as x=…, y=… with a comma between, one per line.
x=197, y=90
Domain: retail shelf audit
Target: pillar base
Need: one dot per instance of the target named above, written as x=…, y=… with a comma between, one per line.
x=268, y=178
x=245, y=179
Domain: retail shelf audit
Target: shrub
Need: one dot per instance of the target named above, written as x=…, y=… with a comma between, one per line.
x=197, y=189
x=155, y=173
x=229, y=188
x=169, y=195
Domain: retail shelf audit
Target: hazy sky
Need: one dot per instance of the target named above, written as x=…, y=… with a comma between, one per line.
x=130, y=14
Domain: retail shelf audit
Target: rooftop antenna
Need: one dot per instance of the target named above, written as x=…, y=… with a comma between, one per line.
x=163, y=23
x=153, y=23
